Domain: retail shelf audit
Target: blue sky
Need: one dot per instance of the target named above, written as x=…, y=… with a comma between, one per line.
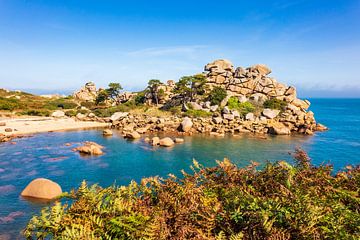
x=60, y=45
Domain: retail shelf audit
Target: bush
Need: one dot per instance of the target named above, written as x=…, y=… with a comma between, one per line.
x=8, y=104
x=60, y=103
x=71, y=113
x=217, y=95
x=88, y=105
x=140, y=98
x=197, y=113
x=40, y=112
x=281, y=201
x=275, y=103
x=243, y=108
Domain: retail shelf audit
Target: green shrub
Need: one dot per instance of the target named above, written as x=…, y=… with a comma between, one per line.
x=217, y=95
x=243, y=108
x=39, y=112
x=275, y=103
x=71, y=113
x=140, y=98
x=60, y=103
x=88, y=105
x=281, y=201
x=233, y=103
x=9, y=104
x=197, y=113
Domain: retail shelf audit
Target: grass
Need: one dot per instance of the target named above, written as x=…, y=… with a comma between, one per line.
x=279, y=201
x=28, y=104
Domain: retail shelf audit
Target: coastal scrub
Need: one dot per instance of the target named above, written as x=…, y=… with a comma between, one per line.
x=280, y=201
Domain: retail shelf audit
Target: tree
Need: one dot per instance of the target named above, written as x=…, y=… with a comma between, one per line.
x=102, y=96
x=217, y=95
x=153, y=86
x=114, y=90
x=190, y=86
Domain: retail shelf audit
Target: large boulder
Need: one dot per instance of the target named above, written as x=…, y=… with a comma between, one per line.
x=118, y=115
x=107, y=132
x=132, y=135
x=166, y=142
x=278, y=128
x=88, y=93
x=58, y=114
x=90, y=148
x=155, y=141
x=262, y=69
x=219, y=65
x=270, y=113
x=186, y=124
x=42, y=188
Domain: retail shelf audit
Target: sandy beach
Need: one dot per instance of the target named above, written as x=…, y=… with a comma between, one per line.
x=30, y=125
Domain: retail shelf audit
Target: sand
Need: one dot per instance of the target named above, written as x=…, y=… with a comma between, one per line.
x=31, y=125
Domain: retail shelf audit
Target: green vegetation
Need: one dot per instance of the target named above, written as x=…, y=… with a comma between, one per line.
x=29, y=104
x=153, y=86
x=40, y=112
x=197, y=113
x=110, y=93
x=190, y=86
x=281, y=201
x=217, y=95
x=9, y=104
x=275, y=103
x=140, y=98
x=243, y=108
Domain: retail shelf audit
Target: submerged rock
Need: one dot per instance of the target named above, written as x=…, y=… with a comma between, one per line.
x=42, y=188
x=107, y=132
x=132, y=135
x=179, y=140
x=90, y=148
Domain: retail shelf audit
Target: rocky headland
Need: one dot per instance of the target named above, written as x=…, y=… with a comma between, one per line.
x=274, y=106
x=223, y=99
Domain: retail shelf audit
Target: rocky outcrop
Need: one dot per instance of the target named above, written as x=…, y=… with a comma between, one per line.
x=90, y=148
x=161, y=92
x=42, y=188
x=87, y=93
x=186, y=124
x=166, y=142
x=254, y=85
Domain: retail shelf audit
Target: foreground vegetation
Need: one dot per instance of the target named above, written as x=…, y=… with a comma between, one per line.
x=281, y=201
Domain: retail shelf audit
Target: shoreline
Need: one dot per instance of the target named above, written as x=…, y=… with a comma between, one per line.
x=32, y=125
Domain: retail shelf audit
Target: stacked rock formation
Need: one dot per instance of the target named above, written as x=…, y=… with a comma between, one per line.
x=254, y=84
x=164, y=93
x=87, y=93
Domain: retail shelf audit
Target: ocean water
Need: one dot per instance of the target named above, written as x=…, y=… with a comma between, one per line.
x=45, y=155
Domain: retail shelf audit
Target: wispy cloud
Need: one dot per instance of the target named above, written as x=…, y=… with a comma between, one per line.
x=167, y=51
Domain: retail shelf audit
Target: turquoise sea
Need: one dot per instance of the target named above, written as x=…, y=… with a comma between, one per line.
x=45, y=155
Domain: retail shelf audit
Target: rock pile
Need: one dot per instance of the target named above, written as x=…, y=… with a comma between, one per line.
x=87, y=93
x=90, y=148
x=253, y=84
x=163, y=93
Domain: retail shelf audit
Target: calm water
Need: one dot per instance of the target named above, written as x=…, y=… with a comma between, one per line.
x=45, y=155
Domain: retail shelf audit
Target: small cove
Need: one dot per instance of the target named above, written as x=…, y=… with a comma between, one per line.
x=45, y=155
